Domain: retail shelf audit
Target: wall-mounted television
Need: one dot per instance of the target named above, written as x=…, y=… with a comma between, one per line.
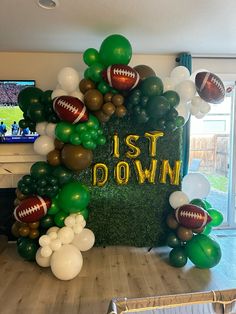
x=11, y=114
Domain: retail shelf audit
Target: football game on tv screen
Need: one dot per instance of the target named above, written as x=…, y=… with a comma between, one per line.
x=11, y=114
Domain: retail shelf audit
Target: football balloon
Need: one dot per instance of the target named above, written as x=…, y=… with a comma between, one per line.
x=70, y=109
x=121, y=77
x=32, y=209
x=210, y=87
x=192, y=216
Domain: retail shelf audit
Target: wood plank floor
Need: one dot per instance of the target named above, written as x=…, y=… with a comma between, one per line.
x=107, y=272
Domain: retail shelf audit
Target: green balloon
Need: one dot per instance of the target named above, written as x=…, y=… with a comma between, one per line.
x=157, y=107
x=54, y=209
x=178, y=257
x=62, y=174
x=103, y=87
x=152, y=86
x=115, y=49
x=93, y=122
x=89, y=144
x=172, y=240
x=29, y=96
x=59, y=218
x=47, y=221
x=63, y=131
x=172, y=97
x=180, y=121
x=216, y=216
x=27, y=249
x=96, y=72
x=207, y=230
x=81, y=127
x=203, y=251
x=73, y=197
x=198, y=202
x=85, y=213
x=207, y=205
x=40, y=169
x=75, y=139
x=90, y=56
x=101, y=140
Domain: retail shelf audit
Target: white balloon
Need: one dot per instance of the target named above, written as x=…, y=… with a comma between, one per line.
x=196, y=101
x=46, y=251
x=186, y=90
x=41, y=128
x=180, y=74
x=43, y=145
x=177, y=199
x=196, y=185
x=183, y=110
x=55, y=245
x=68, y=78
x=168, y=83
x=77, y=93
x=199, y=115
x=52, y=229
x=58, y=92
x=66, y=235
x=50, y=129
x=44, y=240
x=84, y=240
x=67, y=262
x=42, y=261
x=205, y=107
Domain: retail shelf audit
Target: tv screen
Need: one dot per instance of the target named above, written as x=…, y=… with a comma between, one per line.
x=11, y=114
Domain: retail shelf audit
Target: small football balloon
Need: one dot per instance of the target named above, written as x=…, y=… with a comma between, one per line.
x=121, y=77
x=70, y=109
x=32, y=209
x=210, y=87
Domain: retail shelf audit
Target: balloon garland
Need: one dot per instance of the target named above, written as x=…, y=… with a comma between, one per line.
x=51, y=205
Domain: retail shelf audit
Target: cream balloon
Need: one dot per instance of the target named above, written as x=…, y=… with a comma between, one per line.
x=52, y=229
x=44, y=240
x=67, y=262
x=84, y=240
x=58, y=92
x=196, y=185
x=55, y=244
x=68, y=78
x=66, y=235
x=178, y=198
x=46, y=251
x=77, y=93
x=41, y=128
x=50, y=129
x=42, y=261
x=43, y=145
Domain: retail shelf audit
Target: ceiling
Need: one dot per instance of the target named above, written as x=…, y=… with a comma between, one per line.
x=152, y=26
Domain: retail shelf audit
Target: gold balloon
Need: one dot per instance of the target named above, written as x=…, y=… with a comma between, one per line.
x=93, y=99
x=108, y=108
x=24, y=231
x=86, y=85
x=108, y=97
x=104, y=174
x=33, y=234
x=118, y=100
x=122, y=173
x=135, y=151
x=171, y=222
x=77, y=157
x=184, y=234
x=148, y=174
x=174, y=174
x=116, y=146
x=15, y=229
x=153, y=137
x=120, y=111
x=54, y=157
x=34, y=225
x=102, y=117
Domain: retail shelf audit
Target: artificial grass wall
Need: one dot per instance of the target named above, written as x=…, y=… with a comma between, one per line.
x=132, y=214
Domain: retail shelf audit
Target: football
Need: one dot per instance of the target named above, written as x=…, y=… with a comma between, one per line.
x=32, y=209
x=121, y=77
x=192, y=216
x=70, y=109
x=210, y=87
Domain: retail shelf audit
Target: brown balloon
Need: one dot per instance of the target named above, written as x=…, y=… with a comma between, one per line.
x=34, y=225
x=102, y=117
x=86, y=85
x=33, y=234
x=16, y=202
x=58, y=144
x=108, y=97
x=76, y=157
x=108, y=108
x=93, y=99
x=171, y=222
x=118, y=100
x=20, y=195
x=184, y=234
x=15, y=229
x=144, y=71
x=120, y=111
x=54, y=157
x=24, y=231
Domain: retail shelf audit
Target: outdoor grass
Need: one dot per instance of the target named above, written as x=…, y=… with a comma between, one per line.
x=9, y=114
x=218, y=182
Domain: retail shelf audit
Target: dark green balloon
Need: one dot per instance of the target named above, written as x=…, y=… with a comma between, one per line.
x=36, y=112
x=40, y=169
x=24, y=123
x=46, y=97
x=32, y=126
x=172, y=97
x=217, y=217
x=59, y=218
x=180, y=121
x=178, y=257
x=29, y=96
x=157, y=107
x=63, y=131
x=85, y=213
x=27, y=179
x=152, y=86
x=115, y=49
x=90, y=56
x=172, y=114
x=170, y=125
x=172, y=240
x=27, y=249
x=203, y=251
x=47, y=221
x=142, y=117
x=62, y=174
x=73, y=197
